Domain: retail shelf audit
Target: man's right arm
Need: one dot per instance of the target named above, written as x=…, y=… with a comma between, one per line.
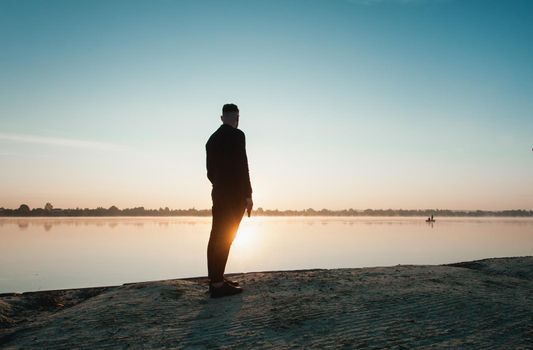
x=210, y=163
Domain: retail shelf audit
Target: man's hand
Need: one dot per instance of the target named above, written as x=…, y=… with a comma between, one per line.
x=249, y=206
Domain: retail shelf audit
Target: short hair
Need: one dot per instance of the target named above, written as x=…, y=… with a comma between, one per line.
x=230, y=107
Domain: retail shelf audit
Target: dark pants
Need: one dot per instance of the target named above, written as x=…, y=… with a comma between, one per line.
x=227, y=215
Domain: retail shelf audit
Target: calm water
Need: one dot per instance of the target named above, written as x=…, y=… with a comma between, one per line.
x=52, y=253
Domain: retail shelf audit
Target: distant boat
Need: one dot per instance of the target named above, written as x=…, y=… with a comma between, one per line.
x=430, y=220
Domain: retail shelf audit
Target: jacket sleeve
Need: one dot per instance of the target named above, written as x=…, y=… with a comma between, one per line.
x=210, y=164
x=247, y=186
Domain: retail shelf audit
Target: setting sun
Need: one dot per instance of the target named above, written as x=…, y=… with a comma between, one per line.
x=246, y=236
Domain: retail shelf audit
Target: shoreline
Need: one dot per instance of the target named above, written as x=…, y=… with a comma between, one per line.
x=482, y=303
x=418, y=215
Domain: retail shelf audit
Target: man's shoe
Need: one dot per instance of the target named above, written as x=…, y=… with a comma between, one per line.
x=231, y=283
x=225, y=290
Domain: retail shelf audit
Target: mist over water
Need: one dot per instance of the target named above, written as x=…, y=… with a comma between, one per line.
x=53, y=253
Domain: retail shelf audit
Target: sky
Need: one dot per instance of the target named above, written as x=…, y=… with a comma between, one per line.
x=345, y=103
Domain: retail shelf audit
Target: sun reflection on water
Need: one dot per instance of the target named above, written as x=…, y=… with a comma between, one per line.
x=246, y=236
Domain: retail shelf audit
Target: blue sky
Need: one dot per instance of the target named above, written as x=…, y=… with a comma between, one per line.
x=345, y=104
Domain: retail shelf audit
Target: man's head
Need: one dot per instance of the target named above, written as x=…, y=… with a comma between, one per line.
x=230, y=115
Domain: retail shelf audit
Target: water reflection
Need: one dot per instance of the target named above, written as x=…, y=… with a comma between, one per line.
x=77, y=252
x=23, y=225
x=310, y=221
x=101, y=221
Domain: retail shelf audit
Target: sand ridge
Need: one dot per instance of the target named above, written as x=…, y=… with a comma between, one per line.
x=486, y=304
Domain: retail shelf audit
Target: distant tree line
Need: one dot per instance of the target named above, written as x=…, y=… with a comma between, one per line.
x=49, y=210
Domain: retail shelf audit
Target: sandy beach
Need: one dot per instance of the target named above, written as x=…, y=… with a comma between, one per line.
x=486, y=304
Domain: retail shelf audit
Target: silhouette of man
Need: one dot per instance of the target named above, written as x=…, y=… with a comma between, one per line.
x=227, y=169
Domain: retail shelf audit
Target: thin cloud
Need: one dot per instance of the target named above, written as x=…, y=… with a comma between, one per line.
x=58, y=141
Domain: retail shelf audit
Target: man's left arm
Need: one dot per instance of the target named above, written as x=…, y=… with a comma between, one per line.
x=246, y=177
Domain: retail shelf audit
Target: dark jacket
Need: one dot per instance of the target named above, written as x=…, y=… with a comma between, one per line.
x=227, y=163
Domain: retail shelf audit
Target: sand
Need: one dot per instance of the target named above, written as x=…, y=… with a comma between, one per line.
x=486, y=304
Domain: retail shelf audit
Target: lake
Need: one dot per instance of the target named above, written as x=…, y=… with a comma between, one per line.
x=54, y=253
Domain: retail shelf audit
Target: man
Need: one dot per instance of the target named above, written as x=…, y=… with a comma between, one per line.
x=227, y=169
